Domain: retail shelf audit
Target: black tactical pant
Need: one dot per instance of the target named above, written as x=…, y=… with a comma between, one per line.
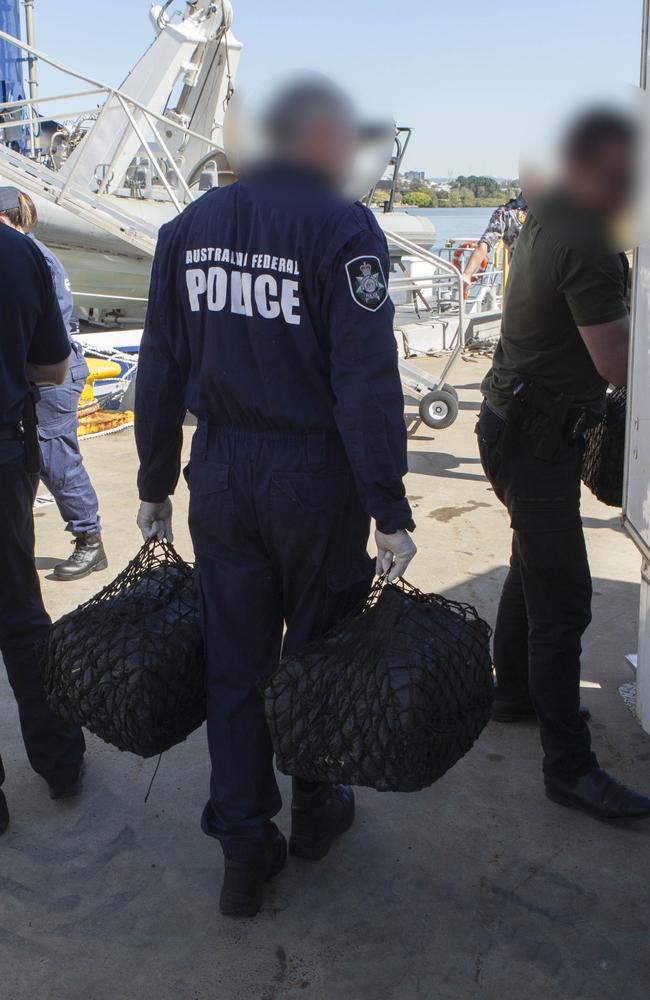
x=546, y=601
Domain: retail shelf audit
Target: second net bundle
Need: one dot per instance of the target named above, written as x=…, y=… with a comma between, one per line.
x=129, y=664
x=391, y=698
x=604, y=458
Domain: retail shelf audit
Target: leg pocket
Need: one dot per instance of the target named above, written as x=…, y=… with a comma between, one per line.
x=345, y=590
x=211, y=505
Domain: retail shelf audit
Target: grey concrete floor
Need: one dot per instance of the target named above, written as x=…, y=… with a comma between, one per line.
x=476, y=888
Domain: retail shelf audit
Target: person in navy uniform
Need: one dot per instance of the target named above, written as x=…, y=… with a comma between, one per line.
x=269, y=319
x=34, y=349
x=62, y=467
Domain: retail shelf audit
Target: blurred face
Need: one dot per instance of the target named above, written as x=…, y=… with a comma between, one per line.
x=329, y=145
x=606, y=182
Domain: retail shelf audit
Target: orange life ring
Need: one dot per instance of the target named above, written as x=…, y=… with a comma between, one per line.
x=457, y=259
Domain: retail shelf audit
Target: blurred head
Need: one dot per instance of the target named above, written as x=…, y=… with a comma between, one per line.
x=312, y=123
x=599, y=156
x=17, y=210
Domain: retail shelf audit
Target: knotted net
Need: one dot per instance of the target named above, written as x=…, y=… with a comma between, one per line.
x=391, y=698
x=604, y=458
x=129, y=664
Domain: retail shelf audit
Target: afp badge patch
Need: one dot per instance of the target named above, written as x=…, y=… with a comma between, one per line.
x=367, y=282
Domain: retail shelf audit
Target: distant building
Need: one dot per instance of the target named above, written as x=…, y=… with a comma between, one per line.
x=414, y=175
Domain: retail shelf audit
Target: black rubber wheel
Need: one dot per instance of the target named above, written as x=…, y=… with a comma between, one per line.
x=439, y=409
x=449, y=388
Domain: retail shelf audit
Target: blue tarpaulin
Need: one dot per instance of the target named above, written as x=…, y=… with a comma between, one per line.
x=12, y=86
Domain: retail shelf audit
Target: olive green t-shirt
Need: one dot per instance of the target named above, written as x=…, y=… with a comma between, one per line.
x=563, y=275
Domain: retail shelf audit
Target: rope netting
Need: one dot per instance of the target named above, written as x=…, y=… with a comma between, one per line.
x=129, y=664
x=391, y=698
x=604, y=458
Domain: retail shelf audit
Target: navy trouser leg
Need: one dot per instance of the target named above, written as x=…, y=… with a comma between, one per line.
x=280, y=537
x=55, y=749
x=62, y=469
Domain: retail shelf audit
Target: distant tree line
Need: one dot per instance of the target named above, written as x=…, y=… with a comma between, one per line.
x=464, y=192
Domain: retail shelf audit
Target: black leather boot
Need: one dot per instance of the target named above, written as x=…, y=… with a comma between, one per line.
x=598, y=794
x=318, y=817
x=4, y=809
x=243, y=881
x=88, y=557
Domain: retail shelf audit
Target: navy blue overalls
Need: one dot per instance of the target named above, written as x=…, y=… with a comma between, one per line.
x=31, y=331
x=269, y=319
x=62, y=470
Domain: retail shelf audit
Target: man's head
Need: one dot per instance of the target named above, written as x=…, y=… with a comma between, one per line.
x=17, y=210
x=599, y=160
x=312, y=123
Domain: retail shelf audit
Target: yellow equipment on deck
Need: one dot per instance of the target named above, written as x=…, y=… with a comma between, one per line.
x=93, y=420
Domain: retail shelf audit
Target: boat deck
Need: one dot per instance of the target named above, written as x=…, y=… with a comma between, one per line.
x=476, y=889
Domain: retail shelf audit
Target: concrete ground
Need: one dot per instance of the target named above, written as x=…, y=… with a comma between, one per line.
x=477, y=888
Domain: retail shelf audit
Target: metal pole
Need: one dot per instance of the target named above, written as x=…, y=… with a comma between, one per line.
x=31, y=63
x=29, y=33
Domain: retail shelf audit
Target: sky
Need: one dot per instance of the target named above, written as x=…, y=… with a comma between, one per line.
x=476, y=81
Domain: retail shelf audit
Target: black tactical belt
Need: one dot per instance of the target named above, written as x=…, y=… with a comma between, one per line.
x=9, y=432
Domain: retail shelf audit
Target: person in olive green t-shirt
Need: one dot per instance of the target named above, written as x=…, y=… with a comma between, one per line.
x=563, y=277
x=564, y=338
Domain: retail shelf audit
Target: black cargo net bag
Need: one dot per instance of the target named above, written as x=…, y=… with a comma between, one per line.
x=129, y=664
x=604, y=458
x=391, y=698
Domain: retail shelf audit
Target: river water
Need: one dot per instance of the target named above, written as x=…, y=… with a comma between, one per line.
x=454, y=222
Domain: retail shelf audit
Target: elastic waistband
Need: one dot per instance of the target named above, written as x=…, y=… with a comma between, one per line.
x=317, y=445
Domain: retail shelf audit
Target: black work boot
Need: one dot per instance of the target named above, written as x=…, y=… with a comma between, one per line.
x=243, y=881
x=88, y=557
x=70, y=788
x=318, y=817
x=522, y=711
x=4, y=809
x=598, y=794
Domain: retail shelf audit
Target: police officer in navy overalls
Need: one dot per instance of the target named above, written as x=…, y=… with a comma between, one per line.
x=62, y=468
x=269, y=319
x=34, y=348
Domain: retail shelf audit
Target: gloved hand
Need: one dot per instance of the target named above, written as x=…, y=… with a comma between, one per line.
x=394, y=553
x=156, y=519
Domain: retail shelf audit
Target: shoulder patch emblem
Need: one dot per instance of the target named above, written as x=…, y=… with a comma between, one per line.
x=367, y=282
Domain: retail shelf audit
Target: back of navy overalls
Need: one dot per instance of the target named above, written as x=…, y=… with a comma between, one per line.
x=269, y=319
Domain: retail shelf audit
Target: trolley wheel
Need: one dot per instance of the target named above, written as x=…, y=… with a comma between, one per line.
x=449, y=388
x=439, y=409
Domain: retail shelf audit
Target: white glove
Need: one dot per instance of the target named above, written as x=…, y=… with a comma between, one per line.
x=156, y=519
x=394, y=553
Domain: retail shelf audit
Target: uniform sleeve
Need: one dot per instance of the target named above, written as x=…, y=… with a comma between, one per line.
x=594, y=288
x=50, y=343
x=369, y=407
x=160, y=393
x=495, y=230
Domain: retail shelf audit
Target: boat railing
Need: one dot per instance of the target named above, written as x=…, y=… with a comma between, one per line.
x=37, y=171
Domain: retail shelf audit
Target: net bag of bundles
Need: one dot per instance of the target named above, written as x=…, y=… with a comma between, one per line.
x=603, y=462
x=390, y=698
x=129, y=664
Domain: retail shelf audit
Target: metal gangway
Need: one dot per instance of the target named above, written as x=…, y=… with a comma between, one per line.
x=432, y=309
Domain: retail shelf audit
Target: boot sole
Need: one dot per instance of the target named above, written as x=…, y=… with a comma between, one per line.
x=563, y=800
x=316, y=850
x=81, y=576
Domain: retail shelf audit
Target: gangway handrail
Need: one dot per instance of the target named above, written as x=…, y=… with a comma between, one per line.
x=107, y=88
x=430, y=258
